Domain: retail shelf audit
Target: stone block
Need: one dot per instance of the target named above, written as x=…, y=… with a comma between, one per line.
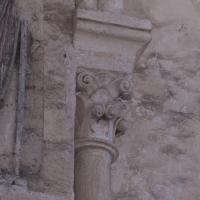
x=57, y=169
x=110, y=33
x=17, y=192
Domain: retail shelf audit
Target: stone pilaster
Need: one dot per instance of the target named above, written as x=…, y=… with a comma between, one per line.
x=102, y=98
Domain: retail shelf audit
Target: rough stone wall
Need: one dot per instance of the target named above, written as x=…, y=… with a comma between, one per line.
x=159, y=157
x=47, y=146
x=7, y=124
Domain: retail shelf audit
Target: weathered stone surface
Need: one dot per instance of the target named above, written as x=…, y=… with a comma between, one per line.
x=159, y=159
x=9, y=32
x=58, y=153
x=49, y=113
x=159, y=156
x=16, y=192
x=7, y=124
x=57, y=162
x=110, y=33
x=102, y=5
x=31, y=151
x=115, y=6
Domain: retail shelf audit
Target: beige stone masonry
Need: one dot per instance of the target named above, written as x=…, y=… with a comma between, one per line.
x=110, y=33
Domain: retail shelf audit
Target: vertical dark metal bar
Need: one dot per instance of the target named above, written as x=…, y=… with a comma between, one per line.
x=21, y=93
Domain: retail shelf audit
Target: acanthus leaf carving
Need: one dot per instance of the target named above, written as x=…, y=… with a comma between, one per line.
x=102, y=104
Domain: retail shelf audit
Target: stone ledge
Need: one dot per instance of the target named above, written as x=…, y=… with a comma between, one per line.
x=113, y=31
x=94, y=143
x=110, y=33
x=114, y=19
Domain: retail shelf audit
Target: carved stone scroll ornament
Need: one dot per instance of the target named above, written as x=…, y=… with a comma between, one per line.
x=9, y=30
x=102, y=99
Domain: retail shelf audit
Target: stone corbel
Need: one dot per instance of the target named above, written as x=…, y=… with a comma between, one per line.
x=108, y=32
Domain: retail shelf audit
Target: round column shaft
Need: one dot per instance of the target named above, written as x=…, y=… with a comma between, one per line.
x=92, y=174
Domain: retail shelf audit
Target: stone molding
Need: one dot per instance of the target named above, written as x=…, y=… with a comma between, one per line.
x=81, y=144
x=107, y=32
x=114, y=19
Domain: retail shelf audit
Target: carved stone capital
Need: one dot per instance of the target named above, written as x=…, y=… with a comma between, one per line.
x=102, y=98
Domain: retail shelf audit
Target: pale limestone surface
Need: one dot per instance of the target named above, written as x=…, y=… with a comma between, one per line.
x=159, y=156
